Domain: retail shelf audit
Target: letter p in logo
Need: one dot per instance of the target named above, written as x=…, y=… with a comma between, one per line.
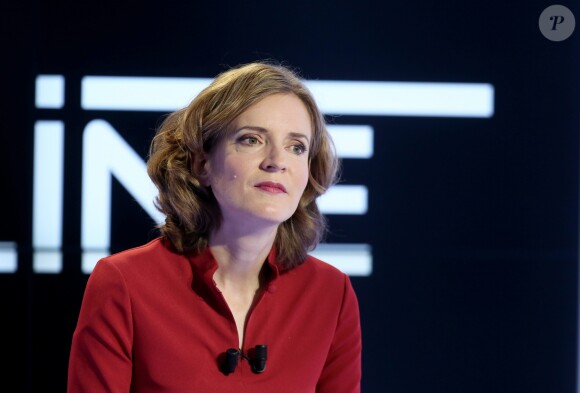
x=558, y=19
x=557, y=23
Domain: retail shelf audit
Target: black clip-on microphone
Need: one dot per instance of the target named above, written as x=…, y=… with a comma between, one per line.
x=230, y=361
x=257, y=360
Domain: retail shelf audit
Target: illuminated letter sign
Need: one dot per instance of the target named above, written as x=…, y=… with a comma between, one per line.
x=106, y=154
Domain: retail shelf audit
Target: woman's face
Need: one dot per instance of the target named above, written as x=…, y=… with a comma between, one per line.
x=259, y=171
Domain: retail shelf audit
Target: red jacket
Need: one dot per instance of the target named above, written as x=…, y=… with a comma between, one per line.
x=153, y=321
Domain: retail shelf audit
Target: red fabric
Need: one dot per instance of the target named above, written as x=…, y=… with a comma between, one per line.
x=153, y=321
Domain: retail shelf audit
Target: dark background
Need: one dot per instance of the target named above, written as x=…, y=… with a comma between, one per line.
x=473, y=222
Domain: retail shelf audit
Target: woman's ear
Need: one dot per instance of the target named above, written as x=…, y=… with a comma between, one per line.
x=200, y=169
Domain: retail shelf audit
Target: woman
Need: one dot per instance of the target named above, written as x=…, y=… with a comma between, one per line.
x=227, y=299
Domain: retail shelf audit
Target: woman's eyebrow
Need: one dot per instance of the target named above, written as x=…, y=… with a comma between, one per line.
x=263, y=130
x=299, y=135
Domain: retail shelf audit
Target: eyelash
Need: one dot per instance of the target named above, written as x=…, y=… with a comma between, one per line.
x=246, y=138
x=301, y=147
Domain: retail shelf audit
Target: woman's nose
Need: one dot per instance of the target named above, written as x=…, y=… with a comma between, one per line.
x=275, y=160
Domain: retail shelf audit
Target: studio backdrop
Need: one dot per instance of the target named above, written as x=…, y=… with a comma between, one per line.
x=457, y=211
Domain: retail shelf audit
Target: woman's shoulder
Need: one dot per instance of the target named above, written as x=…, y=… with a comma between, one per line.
x=317, y=281
x=316, y=270
x=151, y=265
x=142, y=257
x=153, y=247
x=322, y=266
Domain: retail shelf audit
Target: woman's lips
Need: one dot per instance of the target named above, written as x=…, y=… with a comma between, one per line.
x=272, y=187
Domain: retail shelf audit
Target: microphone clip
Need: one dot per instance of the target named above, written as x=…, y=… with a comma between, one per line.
x=256, y=356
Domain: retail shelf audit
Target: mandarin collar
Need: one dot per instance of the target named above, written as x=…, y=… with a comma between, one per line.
x=204, y=266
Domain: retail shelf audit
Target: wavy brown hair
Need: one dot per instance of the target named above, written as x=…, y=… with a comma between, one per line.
x=192, y=212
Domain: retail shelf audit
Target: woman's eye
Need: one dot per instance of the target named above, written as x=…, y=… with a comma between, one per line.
x=298, y=149
x=249, y=140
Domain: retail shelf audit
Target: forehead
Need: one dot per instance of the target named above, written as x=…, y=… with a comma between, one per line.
x=277, y=113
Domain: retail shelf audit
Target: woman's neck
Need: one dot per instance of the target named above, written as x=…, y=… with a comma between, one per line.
x=240, y=256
